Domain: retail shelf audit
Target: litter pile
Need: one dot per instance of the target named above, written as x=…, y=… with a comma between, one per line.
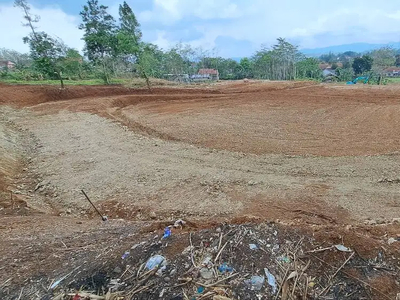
x=247, y=261
x=263, y=261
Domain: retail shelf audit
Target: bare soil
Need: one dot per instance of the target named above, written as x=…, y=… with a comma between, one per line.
x=299, y=154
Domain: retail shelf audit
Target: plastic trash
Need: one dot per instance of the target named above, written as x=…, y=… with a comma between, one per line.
x=179, y=223
x=255, y=283
x=206, y=273
x=155, y=261
x=342, y=248
x=125, y=255
x=271, y=280
x=253, y=246
x=284, y=259
x=200, y=290
x=161, y=270
x=167, y=233
x=225, y=268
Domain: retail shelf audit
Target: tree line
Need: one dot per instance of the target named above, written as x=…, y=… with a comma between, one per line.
x=115, y=49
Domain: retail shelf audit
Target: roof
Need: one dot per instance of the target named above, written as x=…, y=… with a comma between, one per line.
x=6, y=62
x=208, y=71
x=392, y=69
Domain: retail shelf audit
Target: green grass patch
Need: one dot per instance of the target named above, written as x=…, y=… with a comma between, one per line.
x=393, y=80
x=66, y=82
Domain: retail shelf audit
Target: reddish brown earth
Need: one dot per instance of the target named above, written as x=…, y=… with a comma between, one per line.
x=301, y=154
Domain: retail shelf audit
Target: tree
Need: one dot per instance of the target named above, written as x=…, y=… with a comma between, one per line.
x=73, y=64
x=99, y=36
x=308, y=68
x=362, y=64
x=397, y=62
x=47, y=52
x=245, y=68
x=383, y=58
x=21, y=60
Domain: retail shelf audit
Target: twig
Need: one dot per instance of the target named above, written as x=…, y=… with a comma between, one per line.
x=139, y=290
x=220, y=241
x=341, y=267
x=191, y=251
x=352, y=276
x=126, y=270
x=20, y=294
x=187, y=280
x=207, y=295
x=140, y=269
x=283, y=282
x=218, y=282
x=220, y=251
x=5, y=282
x=320, y=250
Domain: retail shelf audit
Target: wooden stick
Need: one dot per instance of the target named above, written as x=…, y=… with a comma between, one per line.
x=220, y=251
x=320, y=250
x=20, y=294
x=218, y=282
x=347, y=260
x=191, y=251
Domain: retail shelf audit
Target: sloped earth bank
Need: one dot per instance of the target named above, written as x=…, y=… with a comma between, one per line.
x=229, y=153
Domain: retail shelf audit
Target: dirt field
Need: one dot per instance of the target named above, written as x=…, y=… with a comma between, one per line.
x=296, y=153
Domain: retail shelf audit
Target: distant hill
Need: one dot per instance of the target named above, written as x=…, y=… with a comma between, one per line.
x=356, y=47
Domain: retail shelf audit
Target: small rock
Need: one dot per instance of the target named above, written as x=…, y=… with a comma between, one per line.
x=172, y=272
x=370, y=222
x=69, y=211
x=117, y=270
x=391, y=241
x=153, y=215
x=167, y=279
x=396, y=220
x=218, y=230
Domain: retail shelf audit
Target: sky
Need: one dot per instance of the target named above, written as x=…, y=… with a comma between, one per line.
x=228, y=28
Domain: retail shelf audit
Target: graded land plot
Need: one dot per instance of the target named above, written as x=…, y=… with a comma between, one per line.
x=296, y=153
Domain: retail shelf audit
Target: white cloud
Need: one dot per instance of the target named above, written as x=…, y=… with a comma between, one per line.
x=261, y=21
x=310, y=23
x=53, y=21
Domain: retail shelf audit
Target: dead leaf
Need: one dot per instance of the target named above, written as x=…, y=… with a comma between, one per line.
x=293, y=275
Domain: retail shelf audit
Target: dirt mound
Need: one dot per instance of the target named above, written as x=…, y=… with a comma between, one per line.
x=29, y=95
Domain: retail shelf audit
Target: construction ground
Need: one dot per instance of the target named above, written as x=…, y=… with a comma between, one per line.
x=307, y=174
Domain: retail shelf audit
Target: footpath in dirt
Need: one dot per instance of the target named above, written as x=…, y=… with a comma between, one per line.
x=274, y=198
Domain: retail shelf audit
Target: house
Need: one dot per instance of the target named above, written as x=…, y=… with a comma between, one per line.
x=392, y=72
x=7, y=64
x=211, y=74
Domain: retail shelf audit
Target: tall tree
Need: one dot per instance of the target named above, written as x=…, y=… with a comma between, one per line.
x=129, y=40
x=99, y=36
x=383, y=58
x=47, y=52
x=362, y=64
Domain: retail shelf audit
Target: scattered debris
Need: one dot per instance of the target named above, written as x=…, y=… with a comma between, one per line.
x=255, y=283
x=218, y=265
x=179, y=223
x=167, y=233
x=253, y=246
x=155, y=261
x=271, y=280
x=342, y=248
x=125, y=255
